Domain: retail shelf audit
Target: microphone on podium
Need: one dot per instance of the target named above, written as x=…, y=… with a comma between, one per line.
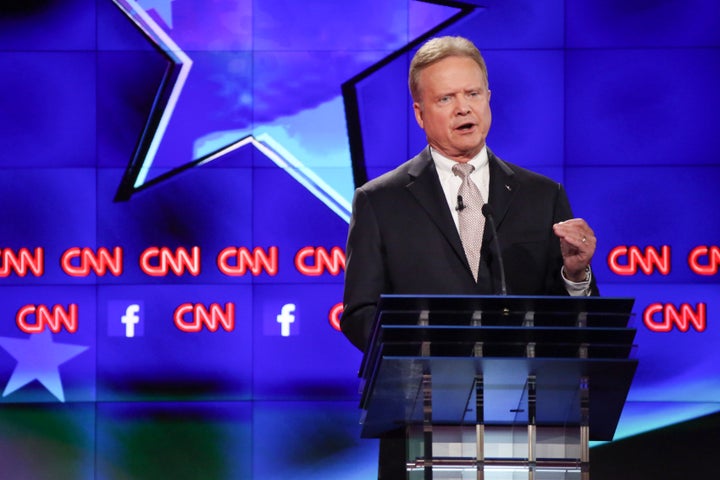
x=487, y=211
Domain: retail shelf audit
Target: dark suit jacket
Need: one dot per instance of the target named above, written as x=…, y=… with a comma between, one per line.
x=402, y=240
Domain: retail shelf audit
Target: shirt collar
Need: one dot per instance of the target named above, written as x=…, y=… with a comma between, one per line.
x=444, y=164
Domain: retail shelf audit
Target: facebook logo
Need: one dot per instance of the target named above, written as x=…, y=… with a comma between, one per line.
x=125, y=319
x=281, y=319
x=286, y=318
x=130, y=319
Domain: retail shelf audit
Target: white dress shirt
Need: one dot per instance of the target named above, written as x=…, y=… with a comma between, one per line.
x=451, y=182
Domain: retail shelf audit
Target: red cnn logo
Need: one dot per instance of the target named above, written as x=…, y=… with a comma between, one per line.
x=166, y=260
x=670, y=315
x=334, y=316
x=711, y=255
x=22, y=262
x=646, y=261
x=100, y=262
x=212, y=317
x=236, y=262
x=323, y=261
x=34, y=319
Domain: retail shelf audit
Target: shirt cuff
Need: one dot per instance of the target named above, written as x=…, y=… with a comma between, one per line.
x=578, y=289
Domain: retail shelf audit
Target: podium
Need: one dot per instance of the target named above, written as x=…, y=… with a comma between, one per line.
x=497, y=387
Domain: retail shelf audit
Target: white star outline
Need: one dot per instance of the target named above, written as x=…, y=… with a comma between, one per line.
x=335, y=190
x=279, y=155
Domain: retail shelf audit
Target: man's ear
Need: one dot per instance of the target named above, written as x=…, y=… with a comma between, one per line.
x=418, y=113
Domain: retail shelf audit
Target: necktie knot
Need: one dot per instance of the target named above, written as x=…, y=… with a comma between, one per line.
x=462, y=170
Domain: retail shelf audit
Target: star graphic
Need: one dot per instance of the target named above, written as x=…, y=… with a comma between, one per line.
x=162, y=7
x=246, y=73
x=38, y=358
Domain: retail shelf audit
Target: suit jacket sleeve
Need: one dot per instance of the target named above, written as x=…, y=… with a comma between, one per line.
x=364, y=272
x=555, y=285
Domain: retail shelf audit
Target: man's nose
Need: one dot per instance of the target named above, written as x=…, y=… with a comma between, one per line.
x=463, y=107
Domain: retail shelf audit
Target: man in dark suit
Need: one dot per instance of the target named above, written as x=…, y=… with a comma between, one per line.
x=406, y=227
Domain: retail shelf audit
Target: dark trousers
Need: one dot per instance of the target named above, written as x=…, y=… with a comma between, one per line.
x=393, y=450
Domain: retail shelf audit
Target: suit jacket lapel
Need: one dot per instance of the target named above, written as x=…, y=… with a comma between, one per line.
x=503, y=186
x=425, y=186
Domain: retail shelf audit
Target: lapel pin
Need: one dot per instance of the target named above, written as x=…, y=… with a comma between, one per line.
x=509, y=189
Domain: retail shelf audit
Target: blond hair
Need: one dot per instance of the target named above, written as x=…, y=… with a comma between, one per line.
x=437, y=49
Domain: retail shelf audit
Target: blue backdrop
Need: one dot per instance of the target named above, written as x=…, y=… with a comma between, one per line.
x=177, y=178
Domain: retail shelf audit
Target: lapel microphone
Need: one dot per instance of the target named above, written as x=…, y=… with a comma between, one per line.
x=460, y=205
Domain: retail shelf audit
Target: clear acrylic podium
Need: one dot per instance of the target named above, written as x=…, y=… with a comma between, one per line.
x=498, y=387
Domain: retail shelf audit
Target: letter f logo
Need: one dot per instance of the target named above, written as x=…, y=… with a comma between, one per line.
x=130, y=319
x=285, y=318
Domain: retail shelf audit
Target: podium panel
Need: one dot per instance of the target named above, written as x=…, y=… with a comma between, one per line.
x=487, y=387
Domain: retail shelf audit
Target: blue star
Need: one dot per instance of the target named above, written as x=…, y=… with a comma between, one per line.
x=38, y=358
x=246, y=73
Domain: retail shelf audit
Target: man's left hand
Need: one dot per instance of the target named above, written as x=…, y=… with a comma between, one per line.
x=577, y=244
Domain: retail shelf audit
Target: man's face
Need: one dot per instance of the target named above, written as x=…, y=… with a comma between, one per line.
x=454, y=107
